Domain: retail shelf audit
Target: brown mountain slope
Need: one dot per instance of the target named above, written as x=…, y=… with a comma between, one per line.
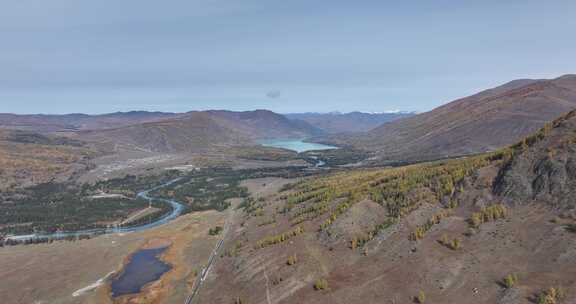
x=451, y=231
x=197, y=132
x=261, y=124
x=348, y=122
x=481, y=122
x=200, y=132
x=76, y=122
x=28, y=159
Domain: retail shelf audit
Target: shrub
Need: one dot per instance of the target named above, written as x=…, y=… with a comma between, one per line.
x=421, y=297
x=215, y=231
x=444, y=240
x=455, y=244
x=488, y=214
x=510, y=280
x=292, y=260
x=232, y=252
x=421, y=230
x=321, y=284
x=551, y=296
x=280, y=238
x=354, y=243
x=239, y=300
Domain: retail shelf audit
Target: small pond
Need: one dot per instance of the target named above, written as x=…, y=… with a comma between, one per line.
x=144, y=267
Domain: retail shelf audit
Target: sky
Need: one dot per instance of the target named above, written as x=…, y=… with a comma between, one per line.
x=70, y=56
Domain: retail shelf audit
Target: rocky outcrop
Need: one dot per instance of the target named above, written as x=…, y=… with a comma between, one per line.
x=543, y=167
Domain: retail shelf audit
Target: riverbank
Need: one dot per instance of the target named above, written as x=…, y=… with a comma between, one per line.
x=177, y=209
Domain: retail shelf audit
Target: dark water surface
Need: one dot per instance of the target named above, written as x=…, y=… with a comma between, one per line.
x=144, y=267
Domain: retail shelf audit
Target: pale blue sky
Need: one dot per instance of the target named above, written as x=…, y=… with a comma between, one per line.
x=63, y=56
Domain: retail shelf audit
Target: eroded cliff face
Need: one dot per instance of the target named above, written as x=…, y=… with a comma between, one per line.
x=545, y=168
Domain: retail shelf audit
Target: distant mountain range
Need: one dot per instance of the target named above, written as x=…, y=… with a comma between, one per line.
x=201, y=131
x=77, y=122
x=478, y=123
x=333, y=122
x=195, y=131
x=353, y=122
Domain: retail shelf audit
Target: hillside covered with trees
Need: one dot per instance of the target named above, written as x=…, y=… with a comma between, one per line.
x=467, y=230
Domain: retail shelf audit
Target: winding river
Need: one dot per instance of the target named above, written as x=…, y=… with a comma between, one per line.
x=177, y=209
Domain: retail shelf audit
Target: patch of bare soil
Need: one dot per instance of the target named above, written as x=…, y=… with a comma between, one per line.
x=265, y=187
x=156, y=243
x=359, y=219
x=120, y=163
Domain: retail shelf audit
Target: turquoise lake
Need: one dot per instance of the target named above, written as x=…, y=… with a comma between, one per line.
x=295, y=145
